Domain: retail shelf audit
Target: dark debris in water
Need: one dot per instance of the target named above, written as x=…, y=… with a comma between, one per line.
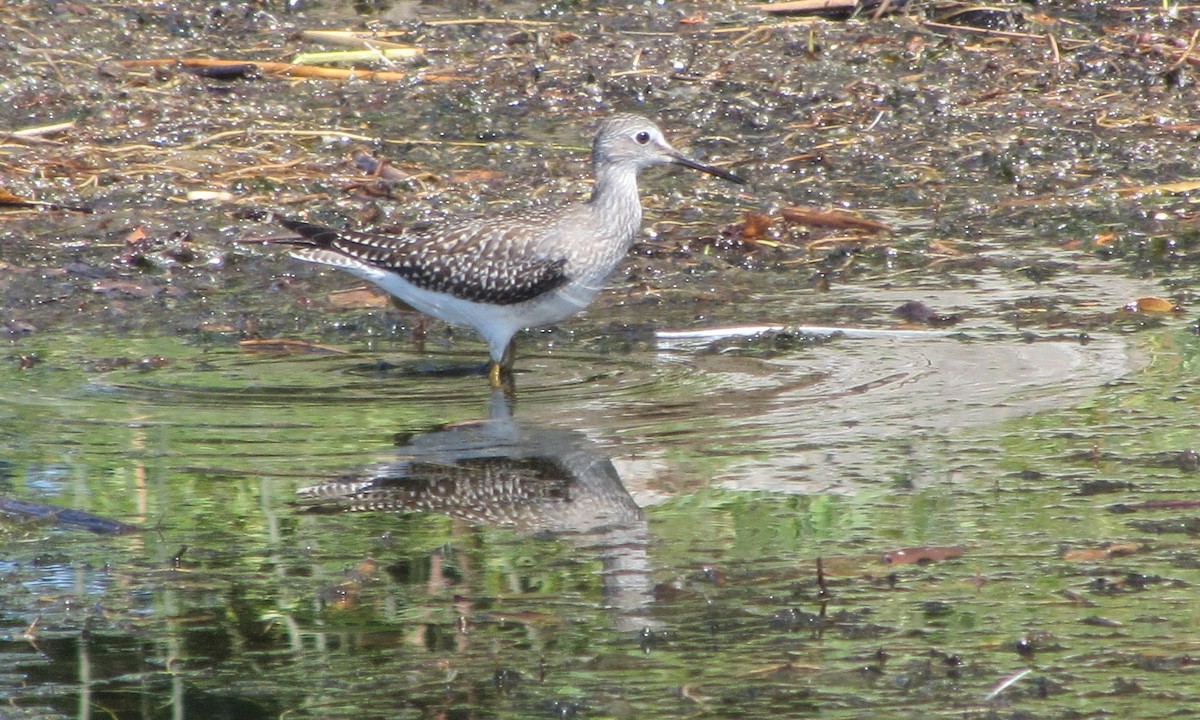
x=918, y=313
x=769, y=344
x=27, y=511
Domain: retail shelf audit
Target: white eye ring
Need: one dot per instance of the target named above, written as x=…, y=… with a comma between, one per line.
x=642, y=138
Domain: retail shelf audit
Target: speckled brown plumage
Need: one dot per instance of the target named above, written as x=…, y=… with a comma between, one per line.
x=504, y=273
x=472, y=261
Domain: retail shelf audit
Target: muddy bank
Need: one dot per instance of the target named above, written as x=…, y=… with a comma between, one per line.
x=1061, y=145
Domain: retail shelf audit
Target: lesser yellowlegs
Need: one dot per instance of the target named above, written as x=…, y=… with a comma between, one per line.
x=504, y=273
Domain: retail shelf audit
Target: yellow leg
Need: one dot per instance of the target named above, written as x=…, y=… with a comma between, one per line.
x=500, y=374
x=510, y=355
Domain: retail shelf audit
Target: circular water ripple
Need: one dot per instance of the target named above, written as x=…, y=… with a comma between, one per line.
x=801, y=419
x=235, y=379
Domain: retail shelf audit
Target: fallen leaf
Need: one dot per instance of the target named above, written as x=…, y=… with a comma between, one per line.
x=755, y=226
x=923, y=555
x=217, y=327
x=938, y=247
x=358, y=299
x=830, y=219
x=1152, y=305
x=1106, y=551
x=7, y=198
x=473, y=177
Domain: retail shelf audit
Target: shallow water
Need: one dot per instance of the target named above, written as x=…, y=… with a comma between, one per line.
x=707, y=605
x=676, y=516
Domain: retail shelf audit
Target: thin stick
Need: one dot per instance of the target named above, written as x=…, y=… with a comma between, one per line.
x=805, y=6
x=349, y=38
x=43, y=129
x=490, y=21
x=1183, y=58
x=273, y=68
x=1001, y=33
x=351, y=56
x=33, y=135
x=1006, y=683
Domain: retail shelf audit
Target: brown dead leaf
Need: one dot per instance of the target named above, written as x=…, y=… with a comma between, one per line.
x=7, y=198
x=938, y=247
x=135, y=242
x=923, y=555
x=473, y=177
x=814, y=217
x=1106, y=551
x=755, y=226
x=358, y=299
x=1152, y=305
x=217, y=327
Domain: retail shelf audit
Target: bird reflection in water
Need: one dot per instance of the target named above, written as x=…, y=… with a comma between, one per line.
x=500, y=472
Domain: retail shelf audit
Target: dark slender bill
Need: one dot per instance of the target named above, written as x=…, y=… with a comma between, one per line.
x=718, y=172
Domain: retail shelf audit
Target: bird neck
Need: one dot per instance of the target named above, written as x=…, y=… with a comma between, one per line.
x=615, y=202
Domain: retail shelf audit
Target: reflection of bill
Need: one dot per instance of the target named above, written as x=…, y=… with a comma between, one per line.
x=500, y=472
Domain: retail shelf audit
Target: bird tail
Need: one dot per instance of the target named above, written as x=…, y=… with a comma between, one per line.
x=307, y=234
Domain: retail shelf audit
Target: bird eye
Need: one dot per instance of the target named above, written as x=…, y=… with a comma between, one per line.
x=642, y=138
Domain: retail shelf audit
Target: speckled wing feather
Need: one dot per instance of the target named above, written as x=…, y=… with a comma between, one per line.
x=480, y=261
